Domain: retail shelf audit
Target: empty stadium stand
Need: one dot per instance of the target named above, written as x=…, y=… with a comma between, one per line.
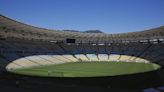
x=23, y=45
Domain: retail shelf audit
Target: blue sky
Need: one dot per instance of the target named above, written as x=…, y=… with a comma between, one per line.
x=109, y=16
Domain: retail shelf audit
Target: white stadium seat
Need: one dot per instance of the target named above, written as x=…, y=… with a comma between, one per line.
x=60, y=57
x=92, y=57
x=124, y=58
x=38, y=60
x=103, y=57
x=81, y=57
x=70, y=57
x=114, y=57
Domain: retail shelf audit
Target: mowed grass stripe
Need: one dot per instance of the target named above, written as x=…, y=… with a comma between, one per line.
x=79, y=72
x=88, y=69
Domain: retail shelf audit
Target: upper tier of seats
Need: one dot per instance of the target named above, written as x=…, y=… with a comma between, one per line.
x=11, y=29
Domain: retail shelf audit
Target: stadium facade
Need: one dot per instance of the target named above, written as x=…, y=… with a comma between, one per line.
x=22, y=42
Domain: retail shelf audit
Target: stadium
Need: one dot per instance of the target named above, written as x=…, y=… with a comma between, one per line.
x=39, y=59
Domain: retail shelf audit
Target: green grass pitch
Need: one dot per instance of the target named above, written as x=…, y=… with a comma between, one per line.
x=88, y=69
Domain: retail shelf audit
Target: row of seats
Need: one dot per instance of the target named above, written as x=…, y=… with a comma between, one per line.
x=16, y=30
x=10, y=51
x=42, y=60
